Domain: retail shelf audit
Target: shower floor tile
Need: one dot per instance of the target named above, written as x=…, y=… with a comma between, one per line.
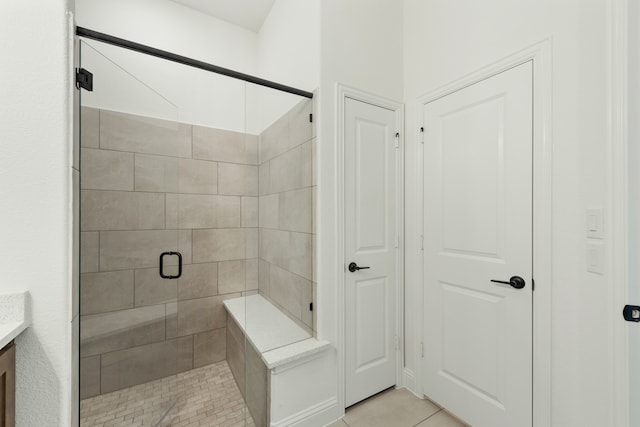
x=206, y=396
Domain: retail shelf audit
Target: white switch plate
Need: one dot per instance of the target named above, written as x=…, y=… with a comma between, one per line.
x=595, y=228
x=595, y=258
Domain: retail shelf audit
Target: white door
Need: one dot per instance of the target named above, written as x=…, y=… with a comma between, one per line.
x=478, y=228
x=371, y=163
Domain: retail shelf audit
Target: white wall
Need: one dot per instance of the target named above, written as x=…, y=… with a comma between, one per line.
x=361, y=46
x=35, y=189
x=288, y=53
x=446, y=40
x=159, y=88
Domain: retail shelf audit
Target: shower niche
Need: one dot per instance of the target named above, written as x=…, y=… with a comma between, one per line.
x=197, y=242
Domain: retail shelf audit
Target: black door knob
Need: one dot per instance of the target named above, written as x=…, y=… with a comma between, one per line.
x=353, y=267
x=516, y=282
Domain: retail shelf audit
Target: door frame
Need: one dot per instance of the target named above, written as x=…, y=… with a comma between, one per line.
x=540, y=55
x=344, y=92
x=618, y=202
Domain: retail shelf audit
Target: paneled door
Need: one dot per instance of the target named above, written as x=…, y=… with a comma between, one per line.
x=371, y=165
x=478, y=278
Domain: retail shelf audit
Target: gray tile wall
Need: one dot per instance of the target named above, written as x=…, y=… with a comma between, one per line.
x=150, y=186
x=286, y=194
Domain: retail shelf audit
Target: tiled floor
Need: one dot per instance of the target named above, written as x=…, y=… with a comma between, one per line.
x=206, y=396
x=396, y=408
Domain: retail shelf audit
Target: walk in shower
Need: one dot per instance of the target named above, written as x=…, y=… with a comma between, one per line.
x=197, y=240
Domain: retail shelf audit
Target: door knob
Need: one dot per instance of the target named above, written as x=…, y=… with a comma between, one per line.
x=515, y=282
x=353, y=267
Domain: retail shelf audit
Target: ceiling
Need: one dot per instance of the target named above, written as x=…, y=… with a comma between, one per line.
x=249, y=14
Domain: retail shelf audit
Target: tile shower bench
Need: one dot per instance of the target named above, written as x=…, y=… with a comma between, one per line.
x=274, y=344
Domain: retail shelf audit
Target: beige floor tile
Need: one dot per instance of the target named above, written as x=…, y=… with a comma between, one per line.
x=441, y=419
x=338, y=423
x=397, y=408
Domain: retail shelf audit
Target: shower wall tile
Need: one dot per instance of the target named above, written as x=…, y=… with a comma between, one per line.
x=307, y=299
x=285, y=172
x=197, y=177
x=106, y=170
x=200, y=315
x=170, y=211
x=156, y=173
x=139, y=365
x=219, y=245
x=295, y=210
x=306, y=160
x=121, y=250
x=274, y=140
x=209, y=347
x=249, y=206
x=185, y=353
x=263, y=277
x=89, y=255
x=286, y=290
x=235, y=353
x=252, y=242
x=314, y=161
x=89, y=376
x=256, y=387
x=103, y=333
x=203, y=211
x=185, y=245
x=251, y=274
x=300, y=128
x=300, y=247
x=126, y=132
x=224, y=146
x=198, y=280
x=151, y=289
x=237, y=180
x=269, y=211
x=231, y=276
x=171, y=320
x=274, y=247
x=104, y=292
x=122, y=210
x=89, y=127
x=263, y=178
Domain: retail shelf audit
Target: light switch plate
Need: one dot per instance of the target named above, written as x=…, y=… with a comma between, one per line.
x=595, y=223
x=595, y=258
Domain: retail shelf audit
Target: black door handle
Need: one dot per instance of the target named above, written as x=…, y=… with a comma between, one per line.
x=165, y=276
x=353, y=267
x=515, y=282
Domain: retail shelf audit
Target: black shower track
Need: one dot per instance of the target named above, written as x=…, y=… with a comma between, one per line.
x=169, y=56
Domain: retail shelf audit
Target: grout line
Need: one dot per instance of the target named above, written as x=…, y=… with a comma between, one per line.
x=420, y=422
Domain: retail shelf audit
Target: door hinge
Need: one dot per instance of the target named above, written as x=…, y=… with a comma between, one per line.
x=422, y=135
x=533, y=284
x=310, y=306
x=422, y=350
x=84, y=79
x=310, y=117
x=397, y=139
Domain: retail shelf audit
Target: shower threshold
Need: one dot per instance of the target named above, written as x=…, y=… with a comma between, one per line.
x=206, y=396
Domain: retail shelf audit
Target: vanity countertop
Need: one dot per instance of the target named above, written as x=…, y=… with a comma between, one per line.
x=14, y=316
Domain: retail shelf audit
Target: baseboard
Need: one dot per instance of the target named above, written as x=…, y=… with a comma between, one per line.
x=409, y=381
x=317, y=415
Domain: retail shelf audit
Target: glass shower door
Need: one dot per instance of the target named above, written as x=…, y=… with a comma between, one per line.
x=131, y=257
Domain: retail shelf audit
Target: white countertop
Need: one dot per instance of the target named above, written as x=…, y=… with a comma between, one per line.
x=14, y=316
x=275, y=336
